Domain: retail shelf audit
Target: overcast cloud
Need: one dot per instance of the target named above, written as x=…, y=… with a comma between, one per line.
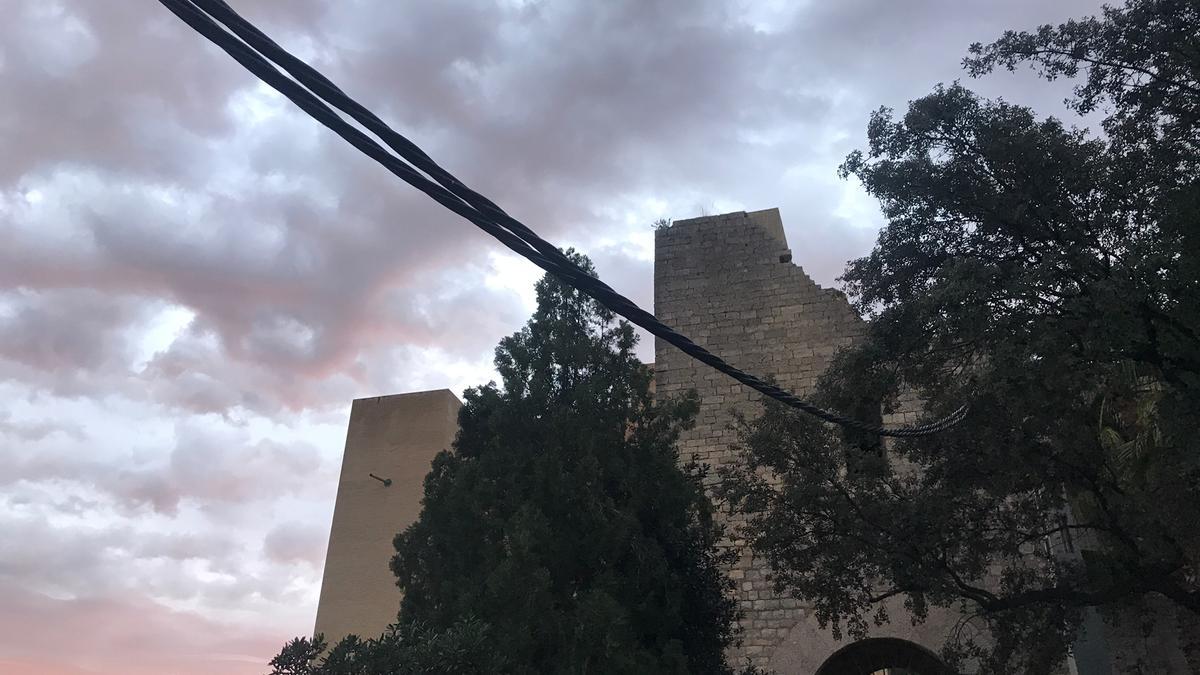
x=195, y=279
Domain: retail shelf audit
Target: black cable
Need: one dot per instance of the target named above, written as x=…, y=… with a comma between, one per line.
x=456, y=196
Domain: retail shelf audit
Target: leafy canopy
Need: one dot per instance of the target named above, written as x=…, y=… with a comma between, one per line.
x=561, y=535
x=562, y=518
x=403, y=649
x=1051, y=278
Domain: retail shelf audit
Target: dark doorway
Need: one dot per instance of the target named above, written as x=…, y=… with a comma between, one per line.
x=884, y=656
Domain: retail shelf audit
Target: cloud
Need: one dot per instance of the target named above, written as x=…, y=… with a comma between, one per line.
x=36, y=430
x=176, y=556
x=295, y=542
x=63, y=332
x=207, y=464
x=120, y=634
x=304, y=263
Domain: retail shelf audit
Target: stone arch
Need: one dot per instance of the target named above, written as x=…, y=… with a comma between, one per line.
x=807, y=646
x=874, y=655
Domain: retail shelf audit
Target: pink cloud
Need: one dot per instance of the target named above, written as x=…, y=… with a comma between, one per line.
x=128, y=635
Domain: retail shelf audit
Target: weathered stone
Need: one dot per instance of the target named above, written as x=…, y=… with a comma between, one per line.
x=726, y=282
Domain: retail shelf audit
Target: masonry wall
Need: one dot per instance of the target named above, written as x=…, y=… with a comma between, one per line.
x=727, y=282
x=396, y=438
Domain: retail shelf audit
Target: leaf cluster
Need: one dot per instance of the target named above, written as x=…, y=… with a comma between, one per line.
x=1050, y=278
x=404, y=649
x=562, y=518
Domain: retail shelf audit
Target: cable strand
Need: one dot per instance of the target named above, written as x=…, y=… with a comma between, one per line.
x=313, y=93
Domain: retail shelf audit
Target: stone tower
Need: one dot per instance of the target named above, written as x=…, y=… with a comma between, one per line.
x=728, y=283
x=394, y=438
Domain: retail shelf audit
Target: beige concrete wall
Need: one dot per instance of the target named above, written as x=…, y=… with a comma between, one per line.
x=395, y=437
x=727, y=282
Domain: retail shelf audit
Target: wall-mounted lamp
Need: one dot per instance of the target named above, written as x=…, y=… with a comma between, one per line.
x=386, y=481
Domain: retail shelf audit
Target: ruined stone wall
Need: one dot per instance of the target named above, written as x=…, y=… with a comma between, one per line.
x=728, y=283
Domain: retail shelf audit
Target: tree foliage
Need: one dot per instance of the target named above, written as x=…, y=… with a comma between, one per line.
x=562, y=518
x=1138, y=62
x=404, y=649
x=560, y=535
x=1050, y=278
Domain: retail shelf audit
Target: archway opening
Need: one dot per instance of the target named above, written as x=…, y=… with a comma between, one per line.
x=884, y=656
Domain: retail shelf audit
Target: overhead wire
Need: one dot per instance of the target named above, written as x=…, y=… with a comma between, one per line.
x=313, y=93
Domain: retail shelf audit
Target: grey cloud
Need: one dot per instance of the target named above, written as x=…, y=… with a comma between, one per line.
x=38, y=429
x=296, y=542
x=273, y=314
x=205, y=467
x=888, y=52
x=557, y=110
x=92, y=110
x=62, y=332
x=217, y=467
x=331, y=255
x=124, y=634
x=82, y=560
x=67, y=534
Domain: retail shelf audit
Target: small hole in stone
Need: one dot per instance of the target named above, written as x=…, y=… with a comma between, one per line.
x=785, y=257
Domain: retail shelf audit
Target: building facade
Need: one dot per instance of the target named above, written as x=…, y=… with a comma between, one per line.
x=728, y=283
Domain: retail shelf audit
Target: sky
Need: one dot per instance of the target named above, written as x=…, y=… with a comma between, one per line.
x=196, y=279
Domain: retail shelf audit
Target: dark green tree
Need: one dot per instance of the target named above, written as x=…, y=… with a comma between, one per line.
x=404, y=649
x=562, y=518
x=1050, y=278
x=561, y=535
x=300, y=656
